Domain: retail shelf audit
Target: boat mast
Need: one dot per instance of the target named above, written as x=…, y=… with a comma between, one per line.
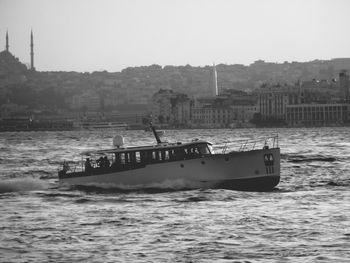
x=155, y=133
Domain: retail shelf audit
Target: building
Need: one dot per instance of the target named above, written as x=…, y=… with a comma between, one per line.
x=88, y=101
x=272, y=100
x=230, y=108
x=171, y=108
x=310, y=103
x=243, y=113
x=182, y=110
x=212, y=116
x=317, y=114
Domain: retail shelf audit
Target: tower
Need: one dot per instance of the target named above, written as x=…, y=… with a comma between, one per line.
x=31, y=51
x=215, y=90
x=7, y=41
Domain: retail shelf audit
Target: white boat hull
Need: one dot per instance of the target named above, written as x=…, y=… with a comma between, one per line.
x=236, y=170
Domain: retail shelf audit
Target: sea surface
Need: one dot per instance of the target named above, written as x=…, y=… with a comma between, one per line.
x=305, y=219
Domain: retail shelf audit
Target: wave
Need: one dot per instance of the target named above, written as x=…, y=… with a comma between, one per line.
x=166, y=186
x=310, y=158
x=339, y=183
x=22, y=184
x=194, y=199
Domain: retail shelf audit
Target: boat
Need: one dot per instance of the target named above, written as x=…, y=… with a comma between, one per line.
x=192, y=164
x=92, y=125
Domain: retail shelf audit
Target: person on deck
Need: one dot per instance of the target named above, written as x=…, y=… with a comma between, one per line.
x=105, y=162
x=100, y=162
x=88, y=166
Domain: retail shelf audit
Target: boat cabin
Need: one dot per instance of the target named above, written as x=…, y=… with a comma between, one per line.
x=121, y=159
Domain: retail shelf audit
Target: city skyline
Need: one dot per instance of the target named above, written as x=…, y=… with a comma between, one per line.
x=78, y=36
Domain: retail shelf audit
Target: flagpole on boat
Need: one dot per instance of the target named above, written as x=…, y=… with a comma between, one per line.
x=155, y=133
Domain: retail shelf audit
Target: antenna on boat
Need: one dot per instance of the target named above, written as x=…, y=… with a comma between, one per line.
x=118, y=141
x=155, y=133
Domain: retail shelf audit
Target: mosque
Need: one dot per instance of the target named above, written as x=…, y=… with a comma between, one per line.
x=7, y=49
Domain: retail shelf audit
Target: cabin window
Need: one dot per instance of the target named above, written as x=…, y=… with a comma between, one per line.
x=145, y=156
x=138, y=157
x=159, y=156
x=149, y=156
x=166, y=155
x=171, y=155
x=117, y=158
x=204, y=149
x=154, y=156
x=179, y=154
x=132, y=157
x=122, y=158
x=196, y=151
x=127, y=159
x=163, y=155
x=190, y=153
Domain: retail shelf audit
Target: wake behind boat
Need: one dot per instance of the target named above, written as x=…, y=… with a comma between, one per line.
x=193, y=163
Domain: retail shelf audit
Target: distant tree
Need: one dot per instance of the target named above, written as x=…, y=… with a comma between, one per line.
x=50, y=98
x=23, y=95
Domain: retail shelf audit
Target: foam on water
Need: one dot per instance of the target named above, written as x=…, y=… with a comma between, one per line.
x=22, y=184
x=177, y=184
x=165, y=186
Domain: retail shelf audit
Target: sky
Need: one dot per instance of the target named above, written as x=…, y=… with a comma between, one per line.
x=95, y=35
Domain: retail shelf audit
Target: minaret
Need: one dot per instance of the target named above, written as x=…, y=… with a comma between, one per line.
x=31, y=51
x=7, y=41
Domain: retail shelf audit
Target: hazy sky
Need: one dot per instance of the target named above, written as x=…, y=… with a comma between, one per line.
x=89, y=35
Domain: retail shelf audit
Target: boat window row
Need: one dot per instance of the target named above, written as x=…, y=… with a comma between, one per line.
x=142, y=157
x=161, y=155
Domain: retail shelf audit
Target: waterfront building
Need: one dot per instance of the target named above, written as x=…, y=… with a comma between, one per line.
x=182, y=109
x=273, y=100
x=318, y=114
x=171, y=108
x=243, y=113
x=221, y=116
x=230, y=108
x=310, y=103
x=212, y=116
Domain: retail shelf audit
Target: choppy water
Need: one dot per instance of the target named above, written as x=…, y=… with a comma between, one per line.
x=306, y=219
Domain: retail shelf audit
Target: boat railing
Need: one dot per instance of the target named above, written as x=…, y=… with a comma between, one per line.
x=249, y=144
x=71, y=166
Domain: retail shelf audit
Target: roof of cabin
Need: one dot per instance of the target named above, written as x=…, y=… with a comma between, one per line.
x=161, y=146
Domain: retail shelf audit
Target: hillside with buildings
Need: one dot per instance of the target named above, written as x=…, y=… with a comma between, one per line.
x=262, y=93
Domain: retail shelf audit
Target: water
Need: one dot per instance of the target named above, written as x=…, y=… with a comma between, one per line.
x=306, y=219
